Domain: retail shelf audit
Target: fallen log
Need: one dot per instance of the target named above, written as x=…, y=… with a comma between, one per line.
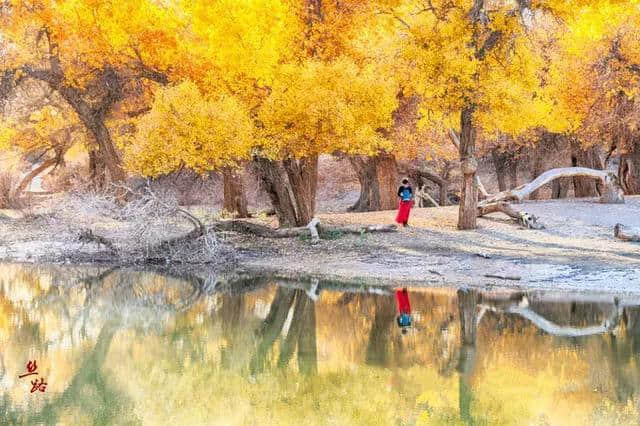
x=626, y=233
x=523, y=218
x=245, y=227
x=612, y=194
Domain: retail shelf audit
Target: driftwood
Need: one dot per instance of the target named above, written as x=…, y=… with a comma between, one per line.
x=626, y=233
x=245, y=227
x=523, y=218
x=612, y=193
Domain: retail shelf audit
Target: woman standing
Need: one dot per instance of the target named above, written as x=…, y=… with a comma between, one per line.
x=405, y=193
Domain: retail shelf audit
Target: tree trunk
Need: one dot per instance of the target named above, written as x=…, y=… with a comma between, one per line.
x=273, y=181
x=537, y=170
x=589, y=158
x=513, y=173
x=444, y=187
x=97, y=169
x=469, y=193
x=629, y=170
x=26, y=181
x=291, y=186
x=303, y=180
x=378, y=177
x=500, y=159
x=94, y=122
x=560, y=188
x=235, y=200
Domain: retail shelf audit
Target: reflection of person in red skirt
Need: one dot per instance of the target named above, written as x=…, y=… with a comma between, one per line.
x=403, y=319
x=405, y=193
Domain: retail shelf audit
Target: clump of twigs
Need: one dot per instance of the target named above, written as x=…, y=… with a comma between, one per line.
x=139, y=226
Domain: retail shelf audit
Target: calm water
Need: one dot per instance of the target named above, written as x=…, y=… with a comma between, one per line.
x=123, y=347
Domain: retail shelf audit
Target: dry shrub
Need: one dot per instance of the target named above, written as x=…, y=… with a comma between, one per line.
x=9, y=181
x=150, y=227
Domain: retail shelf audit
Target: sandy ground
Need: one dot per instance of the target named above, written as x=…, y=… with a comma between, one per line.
x=576, y=251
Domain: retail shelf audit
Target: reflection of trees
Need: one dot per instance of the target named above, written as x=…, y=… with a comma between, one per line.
x=467, y=307
x=88, y=390
x=301, y=334
x=378, y=348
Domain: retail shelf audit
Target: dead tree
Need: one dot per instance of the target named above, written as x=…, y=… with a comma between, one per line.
x=612, y=193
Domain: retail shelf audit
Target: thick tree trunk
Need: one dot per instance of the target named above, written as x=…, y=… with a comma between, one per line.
x=94, y=122
x=291, y=186
x=560, y=188
x=303, y=180
x=467, y=212
x=589, y=158
x=629, y=170
x=273, y=181
x=235, y=200
x=378, y=177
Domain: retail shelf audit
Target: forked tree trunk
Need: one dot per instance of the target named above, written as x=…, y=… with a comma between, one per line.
x=629, y=170
x=589, y=158
x=378, y=177
x=467, y=212
x=291, y=186
x=235, y=200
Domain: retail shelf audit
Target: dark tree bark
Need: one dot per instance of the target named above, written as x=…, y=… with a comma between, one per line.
x=378, y=177
x=629, y=169
x=500, y=159
x=291, y=186
x=97, y=169
x=235, y=200
x=590, y=158
x=467, y=212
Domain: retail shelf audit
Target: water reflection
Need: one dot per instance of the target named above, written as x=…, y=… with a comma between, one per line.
x=127, y=347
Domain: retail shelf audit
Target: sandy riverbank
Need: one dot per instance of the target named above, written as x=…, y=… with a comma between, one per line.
x=576, y=251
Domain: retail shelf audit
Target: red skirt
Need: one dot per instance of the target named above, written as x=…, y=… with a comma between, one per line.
x=402, y=297
x=403, y=211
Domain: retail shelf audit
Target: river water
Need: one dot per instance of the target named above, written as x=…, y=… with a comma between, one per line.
x=135, y=347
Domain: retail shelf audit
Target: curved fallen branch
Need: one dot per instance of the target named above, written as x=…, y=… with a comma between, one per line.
x=626, y=233
x=522, y=309
x=612, y=194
